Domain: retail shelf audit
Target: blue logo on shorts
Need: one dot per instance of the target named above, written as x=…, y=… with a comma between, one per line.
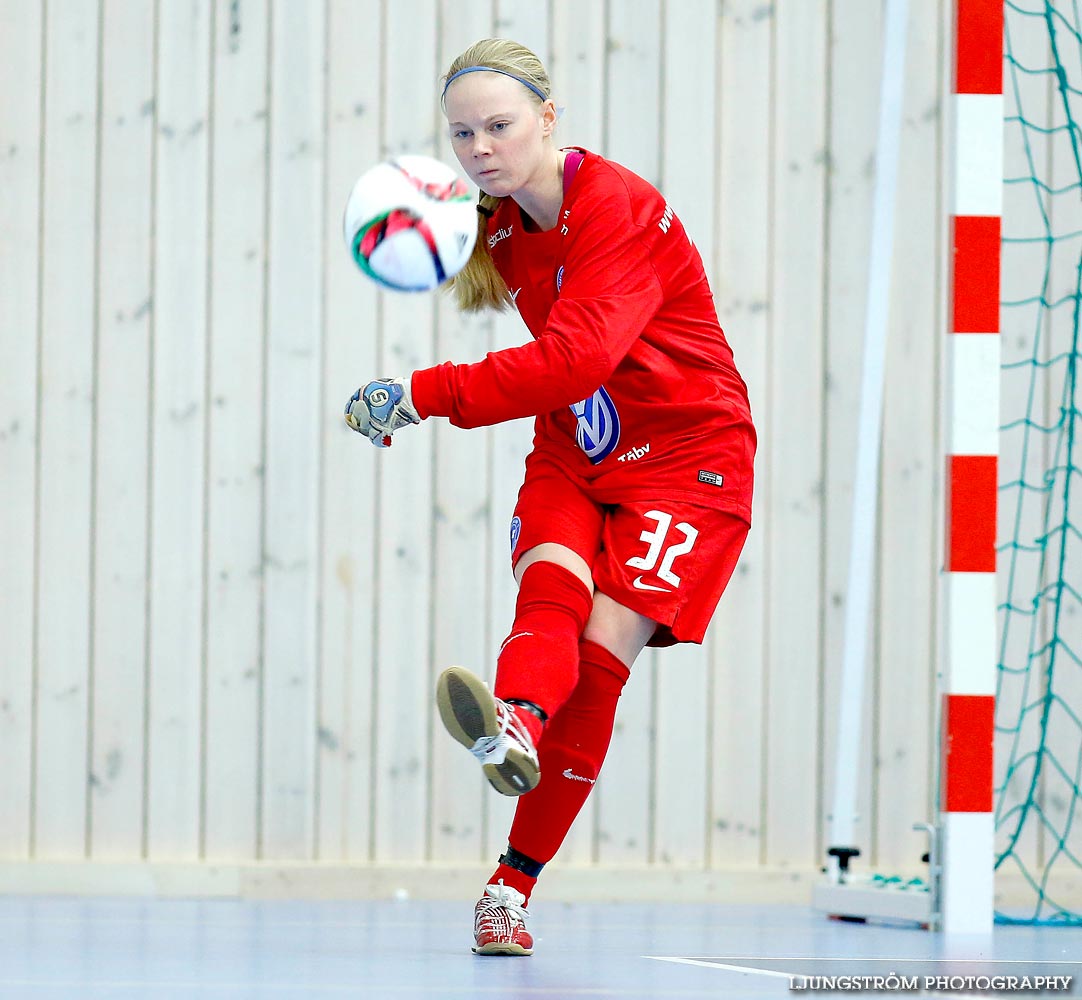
x=516, y=530
x=598, y=425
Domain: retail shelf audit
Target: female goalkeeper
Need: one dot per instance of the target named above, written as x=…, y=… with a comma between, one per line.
x=637, y=493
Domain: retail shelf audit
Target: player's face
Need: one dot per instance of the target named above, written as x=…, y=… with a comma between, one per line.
x=498, y=131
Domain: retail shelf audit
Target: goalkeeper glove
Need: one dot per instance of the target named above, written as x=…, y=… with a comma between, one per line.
x=381, y=407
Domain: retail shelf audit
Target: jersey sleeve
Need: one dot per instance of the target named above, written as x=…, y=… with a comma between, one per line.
x=609, y=292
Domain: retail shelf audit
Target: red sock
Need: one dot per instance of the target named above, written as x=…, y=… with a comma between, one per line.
x=514, y=878
x=539, y=660
x=571, y=752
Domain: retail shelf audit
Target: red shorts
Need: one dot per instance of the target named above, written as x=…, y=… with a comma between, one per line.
x=669, y=560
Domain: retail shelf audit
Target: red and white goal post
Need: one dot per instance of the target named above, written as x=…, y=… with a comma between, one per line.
x=959, y=896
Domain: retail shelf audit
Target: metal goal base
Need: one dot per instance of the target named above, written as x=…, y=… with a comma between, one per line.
x=864, y=899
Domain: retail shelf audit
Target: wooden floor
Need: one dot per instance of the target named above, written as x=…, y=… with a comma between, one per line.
x=85, y=949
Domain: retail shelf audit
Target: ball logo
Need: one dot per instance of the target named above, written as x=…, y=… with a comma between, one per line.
x=516, y=530
x=598, y=430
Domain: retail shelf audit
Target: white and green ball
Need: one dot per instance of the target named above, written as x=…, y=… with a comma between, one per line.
x=410, y=223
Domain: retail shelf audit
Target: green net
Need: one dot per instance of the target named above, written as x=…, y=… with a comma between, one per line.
x=1039, y=677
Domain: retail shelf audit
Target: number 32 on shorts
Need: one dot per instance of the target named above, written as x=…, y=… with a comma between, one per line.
x=682, y=542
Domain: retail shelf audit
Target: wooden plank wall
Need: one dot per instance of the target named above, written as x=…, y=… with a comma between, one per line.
x=221, y=614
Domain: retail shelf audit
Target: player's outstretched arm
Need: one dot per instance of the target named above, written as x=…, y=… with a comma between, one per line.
x=380, y=407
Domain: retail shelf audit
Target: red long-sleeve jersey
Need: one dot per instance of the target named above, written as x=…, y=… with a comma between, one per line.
x=629, y=374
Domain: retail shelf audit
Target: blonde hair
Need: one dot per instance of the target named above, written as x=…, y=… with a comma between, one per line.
x=479, y=285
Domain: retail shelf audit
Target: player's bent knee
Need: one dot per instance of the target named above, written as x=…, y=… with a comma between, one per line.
x=561, y=555
x=618, y=629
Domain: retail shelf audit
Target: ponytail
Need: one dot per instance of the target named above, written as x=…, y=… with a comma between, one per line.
x=478, y=285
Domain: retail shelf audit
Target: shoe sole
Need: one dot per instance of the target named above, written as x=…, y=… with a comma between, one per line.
x=502, y=949
x=468, y=711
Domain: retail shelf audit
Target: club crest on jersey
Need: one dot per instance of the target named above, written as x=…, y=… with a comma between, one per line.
x=516, y=530
x=598, y=430
x=559, y=279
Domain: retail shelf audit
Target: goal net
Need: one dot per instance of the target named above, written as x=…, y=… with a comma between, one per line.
x=1039, y=678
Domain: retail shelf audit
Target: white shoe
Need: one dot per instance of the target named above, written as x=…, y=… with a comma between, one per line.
x=490, y=730
x=499, y=922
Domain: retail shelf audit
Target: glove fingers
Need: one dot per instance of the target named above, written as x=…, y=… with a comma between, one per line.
x=357, y=415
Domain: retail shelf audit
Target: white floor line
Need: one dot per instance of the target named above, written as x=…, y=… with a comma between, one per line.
x=306, y=989
x=896, y=960
x=721, y=965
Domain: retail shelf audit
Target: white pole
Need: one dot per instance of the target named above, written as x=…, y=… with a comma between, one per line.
x=869, y=429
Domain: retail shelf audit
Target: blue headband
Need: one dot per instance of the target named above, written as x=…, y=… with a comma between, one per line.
x=489, y=69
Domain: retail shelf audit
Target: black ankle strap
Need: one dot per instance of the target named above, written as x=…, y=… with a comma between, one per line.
x=529, y=706
x=521, y=863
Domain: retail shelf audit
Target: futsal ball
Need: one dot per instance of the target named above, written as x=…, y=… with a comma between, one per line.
x=410, y=223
